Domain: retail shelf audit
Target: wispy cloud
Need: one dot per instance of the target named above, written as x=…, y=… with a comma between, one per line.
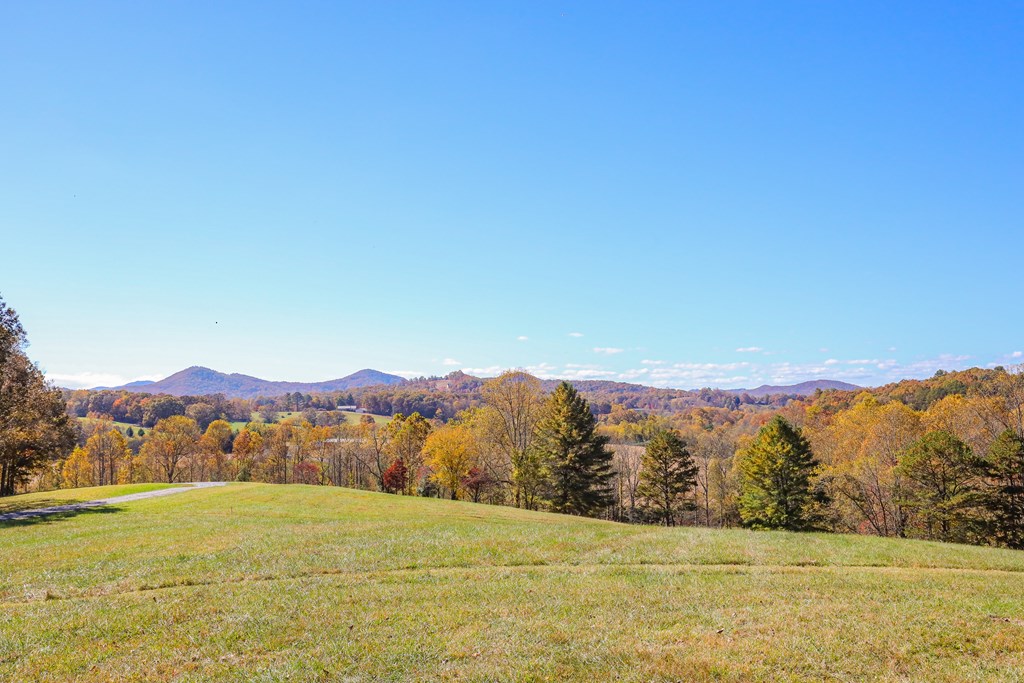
x=451, y=361
x=88, y=380
x=749, y=349
x=489, y=371
x=522, y=337
x=576, y=334
x=408, y=374
x=607, y=350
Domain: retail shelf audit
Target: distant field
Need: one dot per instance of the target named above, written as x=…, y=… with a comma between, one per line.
x=120, y=425
x=350, y=417
x=273, y=583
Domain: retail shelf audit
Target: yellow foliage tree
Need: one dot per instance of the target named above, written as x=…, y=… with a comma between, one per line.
x=77, y=470
x=449, y=452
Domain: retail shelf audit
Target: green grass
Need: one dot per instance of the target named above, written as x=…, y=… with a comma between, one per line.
x=271, y=583
x=122, y=426
x=350, y=417
x=355, y=418
x=34, y=501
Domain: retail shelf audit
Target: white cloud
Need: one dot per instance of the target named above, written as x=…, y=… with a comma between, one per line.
x=1016, y=354
x=408, y=374
x=451, y=361
x=88, y=380
x=749, y=349
x=653, y=362
x=543, y=370
x=576, y=334
x=489, y=371
x=831, y=361
x=522, y=337
x=607, y=350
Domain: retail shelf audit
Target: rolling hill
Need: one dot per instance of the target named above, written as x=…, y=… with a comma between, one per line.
x=801, y=389
x=271, y=582
x=200, y=381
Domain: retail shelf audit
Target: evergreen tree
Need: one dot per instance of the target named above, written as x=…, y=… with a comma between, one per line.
x=578, y=462
x=775, y=484
x=1005, y=498
x=942, y=486
x=667, y=474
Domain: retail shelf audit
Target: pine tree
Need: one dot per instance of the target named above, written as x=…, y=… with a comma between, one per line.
x=1004, y=499
x=775, y=479
x=577, y=460
x=667, y=474
x=942, y=486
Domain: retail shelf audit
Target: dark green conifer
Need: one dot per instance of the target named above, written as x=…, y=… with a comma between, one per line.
x=667, y=474
x=775, y=479
x=578, y=463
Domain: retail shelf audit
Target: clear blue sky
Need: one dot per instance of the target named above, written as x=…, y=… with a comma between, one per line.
x=681, y=194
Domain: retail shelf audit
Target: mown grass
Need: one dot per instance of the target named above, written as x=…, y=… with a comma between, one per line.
x=270, y=583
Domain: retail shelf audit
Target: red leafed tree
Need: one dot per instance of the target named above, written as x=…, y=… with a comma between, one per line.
x=395, y=477
x=306, y=472
x=477, y=482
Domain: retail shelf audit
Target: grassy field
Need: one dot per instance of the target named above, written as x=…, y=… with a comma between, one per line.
x=122, y=426
x=256, y=582
x=350, y=417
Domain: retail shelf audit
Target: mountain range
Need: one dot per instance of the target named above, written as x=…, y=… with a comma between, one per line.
x=801, y=389
x=200, y=381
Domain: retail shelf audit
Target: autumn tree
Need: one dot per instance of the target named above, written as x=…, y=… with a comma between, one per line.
x=517, y=403
x=776, y=472
x=203, y=413
x=246, y=449
x=77, y=470
x=108, y=453
x=408, y=434
x=171, y=442
x=449, y=454
x=477, y=481
x=626, y=464
x=667, y=474
x=943, y=486
x=214, y=446
x=575, y=454
x=395, y=477
x=861, y=447
x=35, y=429
x=712, y=455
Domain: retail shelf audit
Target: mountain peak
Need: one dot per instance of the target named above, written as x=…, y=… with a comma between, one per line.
x=198, y=380
x=801, y=389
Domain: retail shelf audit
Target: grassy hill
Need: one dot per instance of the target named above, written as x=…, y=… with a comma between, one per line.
x=272, y=583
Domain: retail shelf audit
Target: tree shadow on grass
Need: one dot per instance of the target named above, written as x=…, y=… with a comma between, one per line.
x=21, y=506
x=35, y=515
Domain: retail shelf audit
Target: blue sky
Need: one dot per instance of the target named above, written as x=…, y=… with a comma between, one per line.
x=679, y=194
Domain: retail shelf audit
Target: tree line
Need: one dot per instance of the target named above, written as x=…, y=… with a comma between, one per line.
x=938, y=459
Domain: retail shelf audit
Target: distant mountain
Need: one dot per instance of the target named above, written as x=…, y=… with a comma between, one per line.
x=199, y=381
x=801, y=389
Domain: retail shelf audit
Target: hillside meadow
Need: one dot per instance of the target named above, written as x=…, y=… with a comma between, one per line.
x=254, y=582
